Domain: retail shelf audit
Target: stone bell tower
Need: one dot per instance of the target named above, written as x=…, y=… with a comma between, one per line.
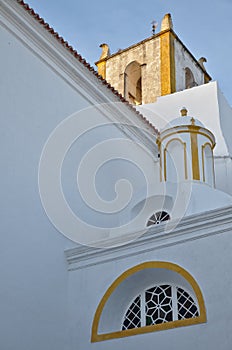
x=156, y=66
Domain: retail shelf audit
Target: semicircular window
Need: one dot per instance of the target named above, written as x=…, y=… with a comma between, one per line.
x=158, y=217
x=149, y=297
x=160, y=304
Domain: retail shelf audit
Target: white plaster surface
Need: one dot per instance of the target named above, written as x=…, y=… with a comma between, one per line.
x=200, y=256
x=202, y=102
x=209, y=106
x=37, y=95
x=45, y=304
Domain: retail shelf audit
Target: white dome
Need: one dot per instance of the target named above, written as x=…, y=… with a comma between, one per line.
x=181, y=121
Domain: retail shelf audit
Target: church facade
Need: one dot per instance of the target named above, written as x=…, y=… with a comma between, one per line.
x=116, y=203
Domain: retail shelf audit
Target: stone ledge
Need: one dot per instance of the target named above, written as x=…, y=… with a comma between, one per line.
x=190, y=228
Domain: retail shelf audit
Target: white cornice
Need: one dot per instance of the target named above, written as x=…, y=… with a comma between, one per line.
x=46, y=47
x=190, y=228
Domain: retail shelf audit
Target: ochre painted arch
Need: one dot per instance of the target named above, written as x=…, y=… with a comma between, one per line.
x=173, y=324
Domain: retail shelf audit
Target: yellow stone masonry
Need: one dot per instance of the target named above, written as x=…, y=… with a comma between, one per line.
x=154, y=67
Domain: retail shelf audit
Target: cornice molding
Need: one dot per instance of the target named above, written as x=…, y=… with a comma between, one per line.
x=190, y=228
x=154, y=37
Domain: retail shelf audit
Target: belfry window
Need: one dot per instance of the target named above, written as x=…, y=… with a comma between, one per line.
x=189, y=79
x=133, y=83
x=160, y=304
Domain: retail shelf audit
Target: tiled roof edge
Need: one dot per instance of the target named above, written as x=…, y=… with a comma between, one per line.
x=81, y=59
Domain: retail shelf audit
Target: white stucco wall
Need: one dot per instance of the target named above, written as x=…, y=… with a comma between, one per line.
x=215, y=116
x=196, y=249
x=33, y=101
x=43, y=305
x=36, y=96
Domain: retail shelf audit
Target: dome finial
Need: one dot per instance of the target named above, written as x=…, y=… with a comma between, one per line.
x=184, y=112
x=192, y=121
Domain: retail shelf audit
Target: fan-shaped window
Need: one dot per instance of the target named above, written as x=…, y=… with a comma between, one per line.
x=149, y=297
x=160, y=304
x=158, y=217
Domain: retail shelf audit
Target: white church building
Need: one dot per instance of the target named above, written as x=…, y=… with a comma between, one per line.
x=116, y=205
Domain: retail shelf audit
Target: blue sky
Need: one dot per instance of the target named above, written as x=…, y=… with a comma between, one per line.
x=204, y=27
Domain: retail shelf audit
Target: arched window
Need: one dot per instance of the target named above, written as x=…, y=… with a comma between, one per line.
x=133, y=83
x=160, y=304
x=158, y=217
x=175, y=161
x=207, y=164
x=149, y=297
x=189, y=79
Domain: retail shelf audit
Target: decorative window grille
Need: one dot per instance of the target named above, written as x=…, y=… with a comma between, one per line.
x=158, y=217
x=186, y=306
x=159, y=304
x=133, y=315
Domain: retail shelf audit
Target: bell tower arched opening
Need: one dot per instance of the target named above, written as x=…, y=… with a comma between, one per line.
x=133, y=83
x=189, y=79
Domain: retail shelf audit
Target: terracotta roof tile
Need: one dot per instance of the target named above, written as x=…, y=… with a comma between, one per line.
x=81, y=59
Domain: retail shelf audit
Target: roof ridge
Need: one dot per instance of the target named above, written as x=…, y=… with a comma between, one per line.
x=74, y=52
